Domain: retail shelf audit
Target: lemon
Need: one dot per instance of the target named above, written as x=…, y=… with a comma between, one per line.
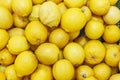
x=115, y=77
x=112, y=16
x=94, y=52
x=38, y=1
x=83, y=72
x=91, y=78
x=63, y=70
x=82, y=40
x=34, y=15
x=73, y=23
x=56, y=1
x=2, y=76
x=94, y=29
x=111, y=34
x=87, y=12
x=50, y=14
x=10, y=73
x=6, y=20
x=74, y=53
x=6, y=4
x=42, y=73
x=28, y=61
x=36, y=32
x=14, y=44
x=16, y=32
x=4, y=37
x=74, y=3
x=112, y=56
x=62, y=7
x=22, y=7
x=102, y=71
x=6, y=58
x=47, y=53
x=59, y=37
x=19, y=21
x=113, y=2
x=100, y=7
x=74, y=35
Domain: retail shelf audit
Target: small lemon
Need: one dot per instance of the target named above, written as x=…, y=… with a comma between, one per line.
x=102, y=71
x=28, y=61
x=22, y=7
x=38, y=1
x=63, y=70
x=74, y=3
x=94, y=29
x=19, y=21
x=2, y=76
x=17, y=44
x=112, y=16
x=4, y=37
x=115, y=77
x=74, y=53
x=34, y=15
x=62, y=7
x=16, y=32
x=99, y=7
x=47, y=53
x=111, y=34
x=73, y=23
x=10, y=73
x=6, y=58
x=36, y=32
x=94, y=52
x=6, y=20
x=43, y=72
x=59, y=37
x=50, y=14
x=83, y=72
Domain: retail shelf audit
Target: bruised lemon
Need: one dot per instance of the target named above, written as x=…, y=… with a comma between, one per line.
x=22, y=7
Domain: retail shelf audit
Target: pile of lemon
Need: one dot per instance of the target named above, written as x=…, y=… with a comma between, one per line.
x=59, y=40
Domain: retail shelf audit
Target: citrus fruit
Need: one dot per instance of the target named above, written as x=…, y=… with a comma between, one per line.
x=73, y=23
x=47, y=53
x=63, y=70
x=74, y=53
x=28, y=61
x=62, y=7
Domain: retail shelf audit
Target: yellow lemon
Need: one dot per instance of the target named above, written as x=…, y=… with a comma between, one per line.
x=83, y=72
x=28, y=61
x=47, y=53
x=74, y=53
x=113, y=2
x=111, y=34
x=91, y=78
x=36, y=32
x=6, y=58
x=10, y=73
x=22, y=7
x=38, y=1
x=73, y=23
x=19, y=21
x=59, y=37
x=94, y=29
x=6, y=20
x=100, y=7
x=2, y=76
x=34, y=15
x=62, y=7
x=112, y=56
x=4, y=37
x=49, y=14
x=6, y=4
x=115, y=77
x=16, y=32
x=112, y=16
x=63, y=70
x=17, y=44
x=102, y=71
x=74, y=3
x=94, y=52
x=43, y=72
